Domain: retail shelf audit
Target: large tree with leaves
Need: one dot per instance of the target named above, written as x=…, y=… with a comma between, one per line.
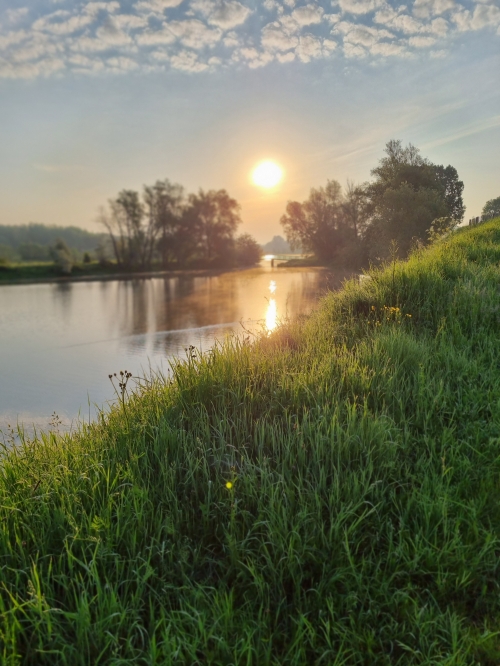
x=208, y=226
x=408, y=192
x=325, y=223
x=164, y=203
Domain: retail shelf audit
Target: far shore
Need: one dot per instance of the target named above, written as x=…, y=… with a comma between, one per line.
x=106, y=277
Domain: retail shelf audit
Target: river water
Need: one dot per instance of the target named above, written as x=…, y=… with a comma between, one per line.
x=59, y=342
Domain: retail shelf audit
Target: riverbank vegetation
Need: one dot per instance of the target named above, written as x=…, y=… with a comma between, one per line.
x=164, y=229
x=178, y=229
x=327, y=494
x=354, y=227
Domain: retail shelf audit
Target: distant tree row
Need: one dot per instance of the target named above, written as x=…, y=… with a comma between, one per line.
x=32, y=241
x=356, y=225
x=180, y=230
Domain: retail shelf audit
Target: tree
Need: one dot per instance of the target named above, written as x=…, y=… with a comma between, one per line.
x=324, y=223
x=34, y=251
x=492, y=208
x=406, y=195
x=63, y=259
x=440, y=227
x=452, y=188
x=404, y=215
x=211, y=218
x=164, y=203
x=132, y=232
x=182, y=230
x=247, y=251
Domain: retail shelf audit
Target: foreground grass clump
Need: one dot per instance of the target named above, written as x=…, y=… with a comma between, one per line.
x=328, y=495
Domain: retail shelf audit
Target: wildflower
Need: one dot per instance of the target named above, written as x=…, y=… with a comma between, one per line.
x=229, y=485
x=373, y=308
x=408, y=315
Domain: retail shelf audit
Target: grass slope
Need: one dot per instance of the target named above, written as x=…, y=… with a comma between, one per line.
x=363, y=521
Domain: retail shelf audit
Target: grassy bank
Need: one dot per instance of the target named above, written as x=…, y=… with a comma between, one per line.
x=329, y=495
x=46, y=271
x=40, y=272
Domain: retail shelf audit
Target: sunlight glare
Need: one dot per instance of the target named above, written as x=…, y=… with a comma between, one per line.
x=271, y=315
x=267, y=174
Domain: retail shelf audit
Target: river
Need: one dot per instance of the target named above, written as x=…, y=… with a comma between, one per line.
x=59, y=342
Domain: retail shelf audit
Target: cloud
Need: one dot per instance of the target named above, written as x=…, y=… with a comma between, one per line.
x=156, y=6
x=156, y=37
x=362, y=34
x=96, y=7
x=34, y=51
x=308, y=14
x=359, y=6
x=255, y=58
x=82, y=62
x=110, y=35
x=427, y=8
x=130, y=21
x=421, y=41
x=438, y=54
x=225, y=14
x=100, y=36
x=42, y=68
x=439, y=27
x=231, y=40
x=61, y=23
x=387, y=49
x=309, y=47
x=187, y=61
x=354, y=51
x=195, y=34
x=15, y=15
x=401, y=22
x=285, y=57
x=485, y=15
x=13, y=38
x=275, y=38
x=122, y=63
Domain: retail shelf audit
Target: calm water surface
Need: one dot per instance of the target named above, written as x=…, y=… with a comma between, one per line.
x=59, y=342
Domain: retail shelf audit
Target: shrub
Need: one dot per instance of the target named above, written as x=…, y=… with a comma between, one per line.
x=63, y=259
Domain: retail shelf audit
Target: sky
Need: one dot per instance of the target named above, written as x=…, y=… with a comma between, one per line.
x=96, y=97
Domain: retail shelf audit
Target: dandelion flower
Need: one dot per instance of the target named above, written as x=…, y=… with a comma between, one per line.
x=229, y=485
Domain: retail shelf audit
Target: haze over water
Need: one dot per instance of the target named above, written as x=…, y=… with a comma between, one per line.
x=59, y=342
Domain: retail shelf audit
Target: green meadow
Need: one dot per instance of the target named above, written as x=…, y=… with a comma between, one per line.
x=328, y=494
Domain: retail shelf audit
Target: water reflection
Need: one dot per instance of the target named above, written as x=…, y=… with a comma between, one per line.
x=272, y=311
x=271, y=315
x=58, y=343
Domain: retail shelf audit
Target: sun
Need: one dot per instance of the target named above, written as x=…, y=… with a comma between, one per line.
x=267, y=174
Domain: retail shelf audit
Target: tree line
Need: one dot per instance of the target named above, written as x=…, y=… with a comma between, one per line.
x=33, y=242
x=180, y=230
x=410, y=200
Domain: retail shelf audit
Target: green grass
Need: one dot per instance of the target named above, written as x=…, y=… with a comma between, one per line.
x=363, y=525
x=45, y=270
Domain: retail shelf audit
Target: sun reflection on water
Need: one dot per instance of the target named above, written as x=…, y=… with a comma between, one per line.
x=272, y=310
x=271, y=315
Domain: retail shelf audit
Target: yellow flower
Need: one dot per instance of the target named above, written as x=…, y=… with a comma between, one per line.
x=229, y=485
